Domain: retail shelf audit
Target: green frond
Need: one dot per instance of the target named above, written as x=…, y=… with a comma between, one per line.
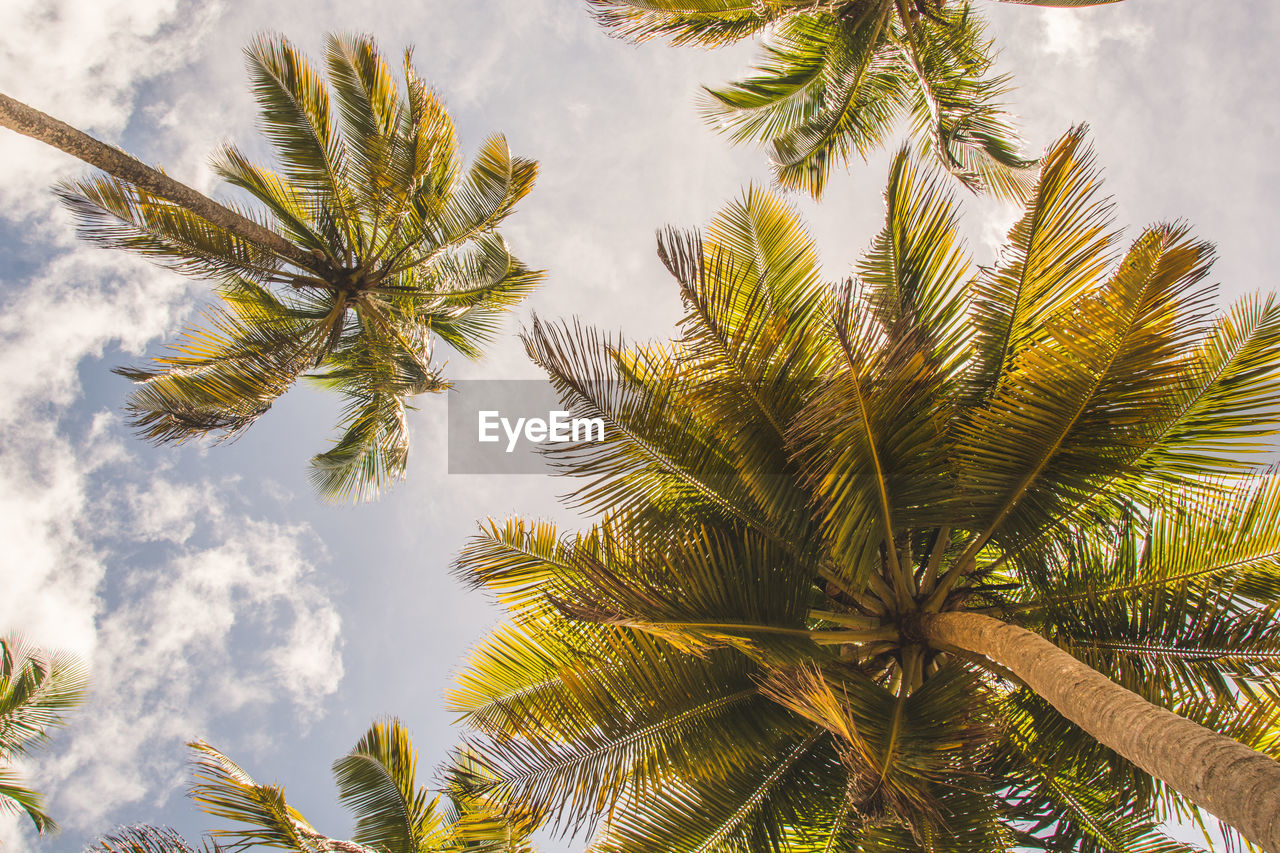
x=118, y=215
x=898, y=749
x=475, y=824
x=626, y=712
x=226, y=373
x=742, y=812
x=372, y=452
x=706, y=22
x=1227, y=402
x=377, y=782
x=296, y=213
x=826, y=90
x=473, y=287
x=1058, y=249
x=37, y=689
x=15, y=797
x=488, y=192
x=369, y=108
x=517, y=683
x=957, y=105
x=295, y=115
x=222, y=789
x=658, y=455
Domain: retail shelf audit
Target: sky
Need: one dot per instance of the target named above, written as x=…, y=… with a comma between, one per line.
x=212, y=594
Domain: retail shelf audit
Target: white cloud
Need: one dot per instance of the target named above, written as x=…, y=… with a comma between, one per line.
x=228, y=612
x=1079, y=38
x=81, y=61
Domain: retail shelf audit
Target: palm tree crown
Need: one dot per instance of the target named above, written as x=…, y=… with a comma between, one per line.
x=836, y=76
x=402, y=247
x=377, y=782
x=36, y=689
x=818, y=503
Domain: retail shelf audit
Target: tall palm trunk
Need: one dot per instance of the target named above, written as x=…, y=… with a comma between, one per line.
x=1235, y=783
x=28, y=121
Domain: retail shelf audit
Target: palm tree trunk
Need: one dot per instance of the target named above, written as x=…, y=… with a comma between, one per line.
x=28, y=121
x=1235, y=783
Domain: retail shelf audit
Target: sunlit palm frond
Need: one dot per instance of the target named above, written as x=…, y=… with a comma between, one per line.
x=296, y=213
x=745, y=809
x=658, y=454
x=957, y=104
x=17, y=798
x=225, y=375
x=118, y=215
x=37, y=689
x=373, y=450
x=709, y=22
x=471, y=289
x=488, y=192
x=295, y=114
x=1228, y=401
x=836, y=76
x=626, y=712
x=827, y=91
x=224, y=790
x=377, y=782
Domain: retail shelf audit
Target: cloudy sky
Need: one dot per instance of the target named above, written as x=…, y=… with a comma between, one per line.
x=213, y=595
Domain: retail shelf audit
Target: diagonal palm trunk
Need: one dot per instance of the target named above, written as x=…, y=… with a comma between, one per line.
x=29, y=121
x=1235, y=783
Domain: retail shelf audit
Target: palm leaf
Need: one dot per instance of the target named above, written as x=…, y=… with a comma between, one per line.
x=224, y=790
x=377, y=783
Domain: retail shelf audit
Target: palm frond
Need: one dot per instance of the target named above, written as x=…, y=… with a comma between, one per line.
x=147, y=839
x=377, y=782
x=296, y=116
x=37, y=689
x=957, y=105
x=16, y=797
x=707, y=22
x=118, y=215
x=224, y=790
x=225, y=375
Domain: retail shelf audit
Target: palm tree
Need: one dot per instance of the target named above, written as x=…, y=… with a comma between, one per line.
x=837, y=75
x=370, y=242
x=377, y=782
x=934, y=560
x=36, y=689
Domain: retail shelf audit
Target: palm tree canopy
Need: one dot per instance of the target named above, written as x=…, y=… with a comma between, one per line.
x=836, y=76
x=377, y=782
x=370, y=184
x=37, y=689
x=736, y=656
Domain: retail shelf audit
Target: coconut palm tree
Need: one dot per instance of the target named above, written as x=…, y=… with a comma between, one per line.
x=377, y=782
x=368, y=243
x=37, y=688
x=933, y=560
x=837, y=75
